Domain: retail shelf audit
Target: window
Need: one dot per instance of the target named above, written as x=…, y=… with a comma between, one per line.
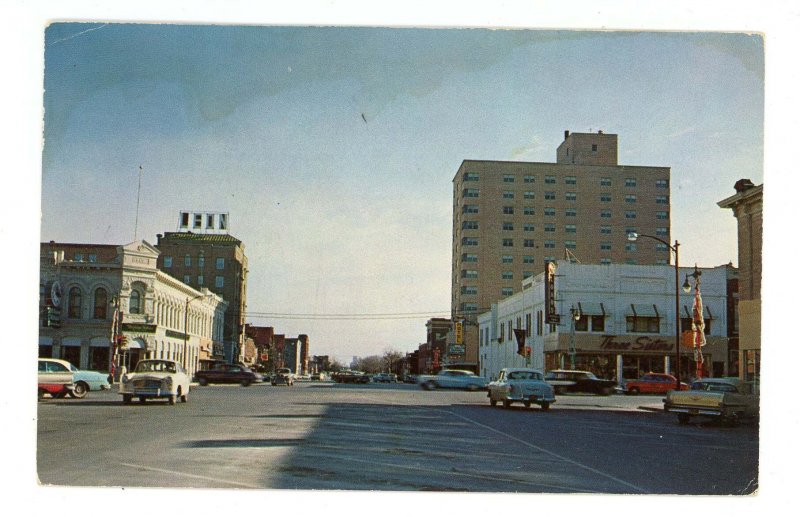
x=549, y=211
x=508, y=194
x=528, y=210
x=549, y=227
x=78, y=257
x=598, y=323
x=529, y=227
x=570, y=180
x=527, y=243
x=550, y=180
x=507, y=259
x=469, y=289
x=630, y=198
x=570, y=245
x=75, y=301
x=100, y=303
x=605, y=230
x=184, y=219
x=469, y=257
x=605, y=214
x=469, y=307
x=508, y=178
x=187, y=260
x=472, y=176
x=528, y=194
x=550, y=196
x=661, y=262
x=469, y=273
x=507, y=275
x=469, y=241
x=92, y=257
x=469, y=225
x=594, y=148
x=506, y=291
x=469, y=209
x=571, y=196
x=629, y=230
x=219, y=282
x=508, y=243
x=630, y=182
x=187, y=279
x=605, y=261
x=662, y=232
x=630, y=214
x=471, y=192
x=550, y=244
x=605, y=182
x=631, y=261
x=582, y=323
x=508, y=226
x=527, y=259
x=200, y=279
x=167, y=261
x=605, y=246
x=549, y=259
x=662, y=216
x=529, y=179
x=571, y=212
x=630, y=246
x=662, y=183
x=198, y=221
x=526, y=274
x=640, y=324
x=201, y=261
x=660, y=246
x=662, y=200
x=605, y=198
x=570, y=228
x=135, y=302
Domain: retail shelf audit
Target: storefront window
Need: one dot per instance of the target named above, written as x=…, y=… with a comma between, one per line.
x=598, y=323
x=641, y=324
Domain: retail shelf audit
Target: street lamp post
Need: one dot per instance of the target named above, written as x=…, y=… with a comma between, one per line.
x=674, y=248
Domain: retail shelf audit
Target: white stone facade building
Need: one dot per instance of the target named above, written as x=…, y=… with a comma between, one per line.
x=83, y=285
x=617, y=320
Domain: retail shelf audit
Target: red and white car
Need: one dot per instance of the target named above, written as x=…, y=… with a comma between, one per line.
x=55, y=378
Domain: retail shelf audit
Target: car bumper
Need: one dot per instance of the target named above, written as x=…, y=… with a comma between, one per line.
x=696, y=411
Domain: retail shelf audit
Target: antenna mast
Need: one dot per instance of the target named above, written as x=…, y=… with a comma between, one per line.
x=138, y=194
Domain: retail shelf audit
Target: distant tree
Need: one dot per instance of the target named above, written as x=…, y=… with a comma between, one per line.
x=335, y=366
x=370, y=364
x=391, y=357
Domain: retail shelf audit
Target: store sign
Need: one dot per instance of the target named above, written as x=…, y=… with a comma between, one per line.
x=176, y=335
x=456, y=350
x=141, y=328
x=550, y=314
x=640, y=344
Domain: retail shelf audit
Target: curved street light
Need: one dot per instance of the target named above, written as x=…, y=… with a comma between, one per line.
x=674, y=248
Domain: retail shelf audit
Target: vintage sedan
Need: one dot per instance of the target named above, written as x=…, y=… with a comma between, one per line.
x=228, y=373
x=54, y=378
x=155, y=378
x=282, y=376
x=453, y=379
x=86, y=381
x=658, y=383
x=579, y=381
x=728, y=400
x=524, y=385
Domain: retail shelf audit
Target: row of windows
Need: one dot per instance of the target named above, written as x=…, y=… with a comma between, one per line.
x=219, y=281
x=201, y=261
x=568, y=180
x=605, y=197
x=89, y=257
x=661, y=215
x=530, y=243
x=568, y=228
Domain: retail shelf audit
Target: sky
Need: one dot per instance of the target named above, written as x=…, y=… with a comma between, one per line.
x=333, y=149
x=267, y=125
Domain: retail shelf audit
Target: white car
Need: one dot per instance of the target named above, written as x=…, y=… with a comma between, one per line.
x=524, y=385
x=155, y=378
x=454, y=379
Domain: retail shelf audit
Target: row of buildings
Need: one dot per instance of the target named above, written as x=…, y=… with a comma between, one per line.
x=105, y=307
x=614, y=299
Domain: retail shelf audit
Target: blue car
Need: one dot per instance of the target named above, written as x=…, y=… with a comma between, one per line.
x=85, y=381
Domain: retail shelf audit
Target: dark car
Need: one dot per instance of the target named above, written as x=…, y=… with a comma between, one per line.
x=578, y=381
x=228, y=373
x=282, y=376
x=350, y=377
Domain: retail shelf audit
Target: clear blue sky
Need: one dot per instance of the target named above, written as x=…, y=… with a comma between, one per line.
x=333, y=149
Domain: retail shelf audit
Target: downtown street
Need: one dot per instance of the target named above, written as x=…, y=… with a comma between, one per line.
x=393, y=437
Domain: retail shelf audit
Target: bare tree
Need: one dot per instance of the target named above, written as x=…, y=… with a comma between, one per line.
x=390, y=357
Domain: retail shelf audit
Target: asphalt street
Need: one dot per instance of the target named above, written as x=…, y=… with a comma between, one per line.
x=389, y=437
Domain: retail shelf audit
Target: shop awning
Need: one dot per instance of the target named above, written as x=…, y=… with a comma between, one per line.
x=592, y=309
x=688, y=312
x=644, y=310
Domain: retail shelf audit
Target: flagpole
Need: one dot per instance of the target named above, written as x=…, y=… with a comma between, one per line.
x=138, y=194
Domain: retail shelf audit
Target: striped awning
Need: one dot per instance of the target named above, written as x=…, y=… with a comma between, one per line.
x=644, y=310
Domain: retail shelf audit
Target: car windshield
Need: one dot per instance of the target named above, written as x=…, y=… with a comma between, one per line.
x=156, y=366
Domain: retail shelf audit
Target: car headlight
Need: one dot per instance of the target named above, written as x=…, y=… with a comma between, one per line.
x=167, y=382
x=125, y=379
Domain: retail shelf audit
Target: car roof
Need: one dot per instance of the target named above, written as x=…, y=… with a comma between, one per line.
x=569, y=371
x=524, y=370
x=65, y=363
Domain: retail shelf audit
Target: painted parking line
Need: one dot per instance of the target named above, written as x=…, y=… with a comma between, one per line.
x=195, y=476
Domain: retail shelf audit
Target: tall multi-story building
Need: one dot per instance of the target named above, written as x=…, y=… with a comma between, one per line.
x=748, y=205
x=510, y=218
x=203, y=255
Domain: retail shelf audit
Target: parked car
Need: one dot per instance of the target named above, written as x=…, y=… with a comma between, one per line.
x=384, y=377
x=658, y=383
x=283, y=376
x=155, y=378
x=88, y=380
x=524, y=385
x=452, y=379
x=728, y=400
x=54, y=378
x=578, y=381
x=351, y=377
x=228, y=373
x=410, y=379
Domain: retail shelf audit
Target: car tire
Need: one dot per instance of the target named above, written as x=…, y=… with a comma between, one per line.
x=545, y=406
x=683, y=418
x=172, y=400
x=634, y=391
x=80, y=390
x=429, y=385
x=245, y=383
x=41, y=394
x=506, y=404
x=274, y=384
x=181, y=395
x=559, y=390
x=126, y=399
x=142, y=399
x=492, y=402
x=608, y=391
x=202, y=381
x=527, y=403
